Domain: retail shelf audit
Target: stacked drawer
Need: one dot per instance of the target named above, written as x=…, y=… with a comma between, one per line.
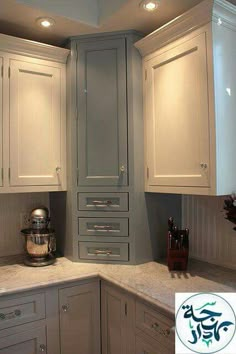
x=154, y=331
x=104, y=237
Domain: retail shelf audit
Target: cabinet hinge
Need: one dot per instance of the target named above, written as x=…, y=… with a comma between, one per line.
x=2, y=172
x=76, y=54
x=126, y=309
x=2, y=70
x=147, y=172
x=9, y=173
x=9, y=72
x=145, y=75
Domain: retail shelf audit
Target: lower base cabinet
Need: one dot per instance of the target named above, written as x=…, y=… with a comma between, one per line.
x=117, y=311
x=26, y=342
x=80, y=319
x=86, y=317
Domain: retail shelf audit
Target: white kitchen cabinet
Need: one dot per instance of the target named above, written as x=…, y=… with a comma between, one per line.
x=34, y=135
x=189, y=100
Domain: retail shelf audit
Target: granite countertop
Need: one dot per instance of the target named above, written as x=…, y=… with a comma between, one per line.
x=150, y=281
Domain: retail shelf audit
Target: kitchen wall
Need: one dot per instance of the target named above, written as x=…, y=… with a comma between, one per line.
x=212, y=238
x=11, y=206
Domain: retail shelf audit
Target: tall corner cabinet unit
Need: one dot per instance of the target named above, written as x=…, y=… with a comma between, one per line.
x=32, y=116
x=106, y=209
x=190, y=102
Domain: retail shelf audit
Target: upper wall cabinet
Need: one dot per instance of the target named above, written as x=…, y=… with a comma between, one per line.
x=102, y=113
x=189, y=96
x=34, y=135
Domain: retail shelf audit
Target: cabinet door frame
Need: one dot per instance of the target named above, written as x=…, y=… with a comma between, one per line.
x=1, y=119
x=122, y=176
x=73, y=290
x=202, y=177
x=53, y=179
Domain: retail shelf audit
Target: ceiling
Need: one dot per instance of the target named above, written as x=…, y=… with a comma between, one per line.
x=76, y=17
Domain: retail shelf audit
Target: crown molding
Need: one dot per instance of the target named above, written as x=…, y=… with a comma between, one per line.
x=33, y=49
x=205, y=12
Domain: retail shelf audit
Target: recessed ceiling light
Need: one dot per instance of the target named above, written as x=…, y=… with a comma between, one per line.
x=45, y=22
x=149, y=5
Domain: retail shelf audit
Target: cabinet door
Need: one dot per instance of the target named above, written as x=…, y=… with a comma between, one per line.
x=28, y=342
x=117, y=321
x=176, y=114
x=1, y=125
x=80, y=319
x=102, y=113
x=143, y=346
x=35, y=123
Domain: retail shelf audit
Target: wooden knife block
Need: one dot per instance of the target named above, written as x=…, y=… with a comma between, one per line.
x=177, y=259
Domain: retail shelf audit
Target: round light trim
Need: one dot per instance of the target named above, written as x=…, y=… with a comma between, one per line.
x=45, y=22
x=149, y=5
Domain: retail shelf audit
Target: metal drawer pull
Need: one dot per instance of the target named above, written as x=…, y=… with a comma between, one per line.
x=122, y=169
x=163, y=332
x=10, y=315
x=105, y=252
x=102, y=227
x=58, y=169
x=102, y=203
x=42, y=348
x=203, y=165
x=65, y=308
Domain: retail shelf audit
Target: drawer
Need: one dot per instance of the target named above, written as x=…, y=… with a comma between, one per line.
x=118, y=227
x=103, y=201
x=17, y=311
x=147, y=345
x=155, y=325
x=104, y=251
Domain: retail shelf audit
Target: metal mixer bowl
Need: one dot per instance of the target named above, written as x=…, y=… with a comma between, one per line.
x=39, y=244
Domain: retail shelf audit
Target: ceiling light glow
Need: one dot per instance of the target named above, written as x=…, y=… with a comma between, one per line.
x=45, y=22
x=149, y=5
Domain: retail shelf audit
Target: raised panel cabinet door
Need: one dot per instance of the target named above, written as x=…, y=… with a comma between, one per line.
x=102, y=113
x=28, y=342
x=176, y=114
x=35, y=124
x=80, y=319
x=1, y=124
x=117, y=311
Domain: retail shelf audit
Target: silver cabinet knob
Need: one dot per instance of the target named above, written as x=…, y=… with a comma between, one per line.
x=58, y=169
x=42, y=348
x=203, y=165
x=65, y=308
x=122, y=168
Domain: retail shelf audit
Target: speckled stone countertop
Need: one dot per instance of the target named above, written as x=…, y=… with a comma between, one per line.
x=150, y=281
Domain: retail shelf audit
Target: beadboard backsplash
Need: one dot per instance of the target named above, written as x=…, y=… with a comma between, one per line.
x=212, y=238
x=11, y=206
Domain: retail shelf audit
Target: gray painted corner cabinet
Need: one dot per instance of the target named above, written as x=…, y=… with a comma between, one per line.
x=108, y=216
x=86, y=317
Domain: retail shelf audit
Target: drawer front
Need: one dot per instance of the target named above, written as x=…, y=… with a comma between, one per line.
x=104, y=251
x=21, y=310
x=118, y=227
x=156, y=325
x=144, y=346
x=103, y=201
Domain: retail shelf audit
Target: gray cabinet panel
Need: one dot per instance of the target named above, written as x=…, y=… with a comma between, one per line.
x=14, y=312
x=111, y=227
x=104, y=251
x=102, y=135
x=144, y=346
x=117, y=310
x=28, y=342
x=80, y=319
x=103, y=201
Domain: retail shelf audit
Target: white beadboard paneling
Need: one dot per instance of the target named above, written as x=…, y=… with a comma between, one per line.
x=212, y=238
x=11, y=206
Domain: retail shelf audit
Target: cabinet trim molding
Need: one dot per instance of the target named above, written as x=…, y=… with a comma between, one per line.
x=201, y=14
x=31, y=48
